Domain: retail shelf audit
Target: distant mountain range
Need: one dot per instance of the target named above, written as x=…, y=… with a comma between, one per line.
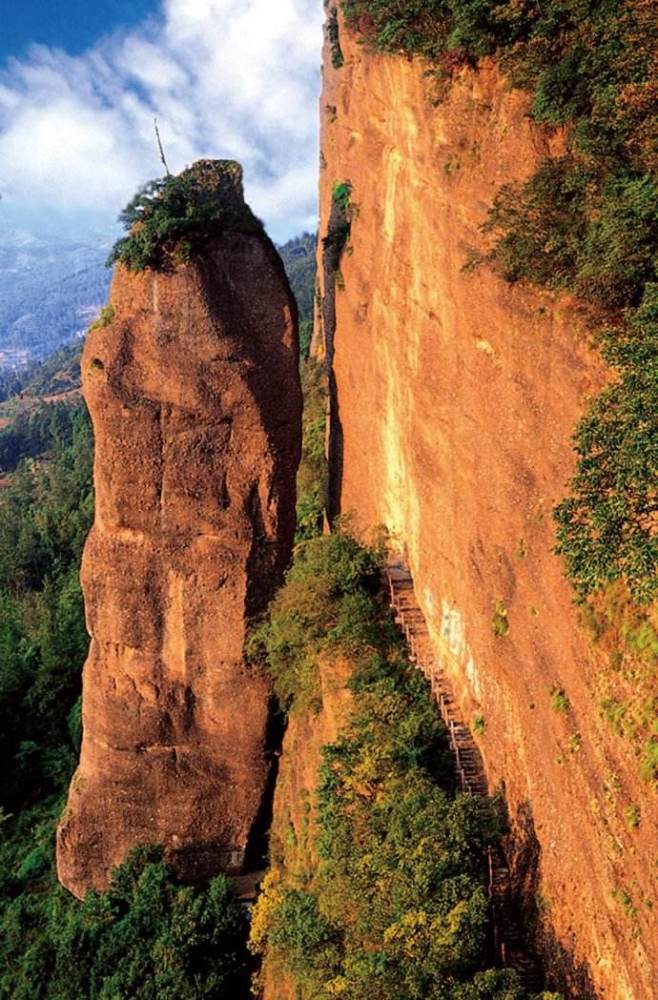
x=50, y=290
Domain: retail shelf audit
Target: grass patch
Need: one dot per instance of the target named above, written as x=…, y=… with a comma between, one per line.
x=624, y=899
x=627, y=683
x=559, y=701
x=649, y=765
x=105, y=317
x=633, y=817
x=500, y=620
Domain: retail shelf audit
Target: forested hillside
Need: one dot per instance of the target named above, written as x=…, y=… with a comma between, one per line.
x=50, y=289
x=298, y=255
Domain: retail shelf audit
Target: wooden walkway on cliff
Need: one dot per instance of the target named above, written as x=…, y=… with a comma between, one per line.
x=507, y=938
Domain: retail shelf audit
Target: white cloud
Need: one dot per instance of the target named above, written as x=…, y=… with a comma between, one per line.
x=225, y=78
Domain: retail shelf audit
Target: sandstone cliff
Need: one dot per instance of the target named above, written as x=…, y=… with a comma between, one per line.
x=455, y=398
x=293, y=833
x=194, y=394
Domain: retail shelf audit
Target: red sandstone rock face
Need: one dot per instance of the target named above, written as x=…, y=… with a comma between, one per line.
x=194, y=394
x=457, y=397
x=295, y=800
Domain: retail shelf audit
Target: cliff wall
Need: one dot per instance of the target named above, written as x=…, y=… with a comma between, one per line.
x=455, y=398
x=194, y=394
x=293, y=832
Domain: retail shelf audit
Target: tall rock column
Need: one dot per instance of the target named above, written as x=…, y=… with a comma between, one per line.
x=194, y=394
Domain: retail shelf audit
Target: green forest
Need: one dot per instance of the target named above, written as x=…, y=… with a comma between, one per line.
x=396, y=906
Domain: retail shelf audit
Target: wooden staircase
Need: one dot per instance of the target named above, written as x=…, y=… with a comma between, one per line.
x=508, y=942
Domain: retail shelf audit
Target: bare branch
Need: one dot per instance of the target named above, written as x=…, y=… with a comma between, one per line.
x=160, y=147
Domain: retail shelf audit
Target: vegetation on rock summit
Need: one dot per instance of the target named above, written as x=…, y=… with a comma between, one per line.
x=171, y=219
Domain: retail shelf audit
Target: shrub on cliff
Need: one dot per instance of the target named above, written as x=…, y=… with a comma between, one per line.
x=340, y=225
x=607, y=527
x=171, y=219
x=312, y=474
x=561, y=229
x=333, y=36
x=310, y=610
x=417, y=27
x=539, y=227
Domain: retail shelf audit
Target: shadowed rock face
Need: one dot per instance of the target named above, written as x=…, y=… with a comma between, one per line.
x=194, y=394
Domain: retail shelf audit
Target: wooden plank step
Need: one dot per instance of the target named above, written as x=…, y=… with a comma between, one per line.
x=469, y=770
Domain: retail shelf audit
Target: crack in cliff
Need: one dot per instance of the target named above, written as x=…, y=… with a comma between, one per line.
x=333, y=246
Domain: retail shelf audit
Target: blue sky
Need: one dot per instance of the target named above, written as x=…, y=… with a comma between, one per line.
x=225, y=78
x=73, y=25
